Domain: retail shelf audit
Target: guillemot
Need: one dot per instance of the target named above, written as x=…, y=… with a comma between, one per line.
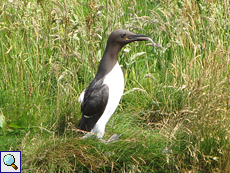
x=101, y=98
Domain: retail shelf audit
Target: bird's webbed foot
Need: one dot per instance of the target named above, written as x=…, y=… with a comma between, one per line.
x=113, y=138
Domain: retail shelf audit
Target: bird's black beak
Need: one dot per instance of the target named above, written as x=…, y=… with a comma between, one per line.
x=139, y=37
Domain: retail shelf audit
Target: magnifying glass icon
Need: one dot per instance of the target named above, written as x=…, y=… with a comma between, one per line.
x=9, y=160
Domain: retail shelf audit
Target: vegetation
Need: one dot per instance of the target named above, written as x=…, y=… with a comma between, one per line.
x=174, y=115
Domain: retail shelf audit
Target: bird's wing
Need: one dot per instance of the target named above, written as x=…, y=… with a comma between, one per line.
x=93, y=106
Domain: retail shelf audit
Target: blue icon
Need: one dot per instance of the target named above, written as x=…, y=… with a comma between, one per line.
x=9, y=160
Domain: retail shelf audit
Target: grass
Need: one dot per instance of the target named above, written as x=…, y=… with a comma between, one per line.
x=174, y=115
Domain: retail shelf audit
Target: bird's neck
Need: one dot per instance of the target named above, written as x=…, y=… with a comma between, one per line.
x=109, y=59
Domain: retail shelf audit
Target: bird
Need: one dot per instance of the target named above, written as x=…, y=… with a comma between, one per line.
x=101, y=98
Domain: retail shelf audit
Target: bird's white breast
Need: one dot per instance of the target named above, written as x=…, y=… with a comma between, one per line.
x=81, y=97
x=115, y=81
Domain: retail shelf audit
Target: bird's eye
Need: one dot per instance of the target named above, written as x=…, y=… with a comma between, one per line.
x=123, y=35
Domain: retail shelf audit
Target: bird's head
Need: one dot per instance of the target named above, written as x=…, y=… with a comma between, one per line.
x=123, y=37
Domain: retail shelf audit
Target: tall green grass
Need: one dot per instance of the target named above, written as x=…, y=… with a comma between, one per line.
x=174, y=114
